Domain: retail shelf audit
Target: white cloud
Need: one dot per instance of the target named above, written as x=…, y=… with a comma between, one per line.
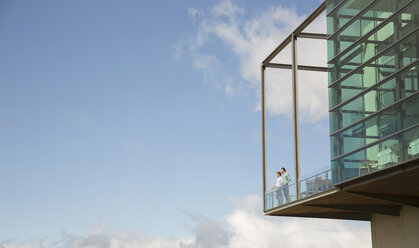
x=249, y=229
x=195, y=12
x=245, y=227
x=250, y=40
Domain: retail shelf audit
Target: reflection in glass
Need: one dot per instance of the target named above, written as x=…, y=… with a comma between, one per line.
x=388, y=152
x=373, y=85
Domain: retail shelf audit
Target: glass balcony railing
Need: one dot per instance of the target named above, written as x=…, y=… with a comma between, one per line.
x=310, y=185
x=276, y=197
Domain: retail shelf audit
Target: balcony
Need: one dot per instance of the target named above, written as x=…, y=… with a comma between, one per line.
x=383, y=191
x=374, y=158
x=315, y=183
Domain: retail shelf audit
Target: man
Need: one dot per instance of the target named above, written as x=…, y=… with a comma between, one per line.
x=278, y=187
x=285, y=180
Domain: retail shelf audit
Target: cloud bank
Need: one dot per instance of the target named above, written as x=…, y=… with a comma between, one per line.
x=249, y=40
x=245, y=227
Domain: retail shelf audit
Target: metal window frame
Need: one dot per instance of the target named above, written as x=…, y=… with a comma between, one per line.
x=376, y=28
x=394, y=44
x=336, y=7
x=375, y=113
x=291, y=38
x=352, y=20
x=375, y=142
x=366, y=90
x=397, y=73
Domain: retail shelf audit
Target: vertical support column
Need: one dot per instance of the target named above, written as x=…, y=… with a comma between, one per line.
x=263, y=110
x=295, y=115
x=403, y=153
x=396, y=231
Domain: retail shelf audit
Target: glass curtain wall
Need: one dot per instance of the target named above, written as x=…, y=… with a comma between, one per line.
x=373, y=84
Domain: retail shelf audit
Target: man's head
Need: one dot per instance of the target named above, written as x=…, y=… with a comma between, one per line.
x=278, y=174
x=283, y=170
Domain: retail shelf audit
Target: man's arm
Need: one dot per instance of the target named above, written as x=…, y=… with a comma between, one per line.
x=288, y=178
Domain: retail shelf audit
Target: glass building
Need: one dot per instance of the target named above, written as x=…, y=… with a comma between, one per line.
x=372, y=48
x=373, y=84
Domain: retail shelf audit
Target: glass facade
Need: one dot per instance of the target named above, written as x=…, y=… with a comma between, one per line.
x=373, y=84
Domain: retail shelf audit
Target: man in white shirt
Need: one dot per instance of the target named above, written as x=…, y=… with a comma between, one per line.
x=277, y=186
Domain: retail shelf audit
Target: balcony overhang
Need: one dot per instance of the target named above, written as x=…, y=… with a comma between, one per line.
x=380, y=192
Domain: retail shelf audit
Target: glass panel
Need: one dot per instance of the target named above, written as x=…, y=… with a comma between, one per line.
x=398, y=26
x=391, y=120
x=316, y=183
x=345, y=12
x=370, y=19
x=331, y=4
x=393, y=150
x=395, y=58
x=382, y=95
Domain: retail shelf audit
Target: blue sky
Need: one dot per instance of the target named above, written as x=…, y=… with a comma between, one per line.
x=137, y=115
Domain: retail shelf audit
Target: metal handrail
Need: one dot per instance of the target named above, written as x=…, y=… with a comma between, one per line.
x=313, y=184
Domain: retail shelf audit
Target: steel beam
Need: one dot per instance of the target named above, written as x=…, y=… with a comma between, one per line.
x=312, y=68
x=299, y=67
x=313, y=36
x=295, y=115
x=279, y=66
x=263, y=110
